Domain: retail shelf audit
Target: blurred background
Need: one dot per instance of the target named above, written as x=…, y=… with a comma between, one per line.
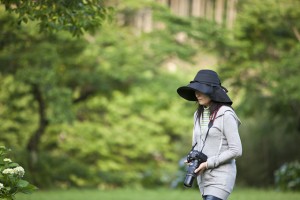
x=88, y=88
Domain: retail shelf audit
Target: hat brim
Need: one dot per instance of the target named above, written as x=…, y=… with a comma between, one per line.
x=216, y=93
x=188, y=92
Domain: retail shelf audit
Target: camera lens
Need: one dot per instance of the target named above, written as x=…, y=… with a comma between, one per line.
x=189, y=179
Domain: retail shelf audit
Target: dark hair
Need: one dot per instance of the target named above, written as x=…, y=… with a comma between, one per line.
x=214, y=107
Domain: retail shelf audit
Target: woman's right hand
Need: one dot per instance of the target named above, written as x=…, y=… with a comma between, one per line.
x=202, y=167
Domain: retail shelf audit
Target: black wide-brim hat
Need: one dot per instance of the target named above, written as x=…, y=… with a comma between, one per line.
x=206, y=82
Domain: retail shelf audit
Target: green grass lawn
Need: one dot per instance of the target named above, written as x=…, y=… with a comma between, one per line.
x=161, y=194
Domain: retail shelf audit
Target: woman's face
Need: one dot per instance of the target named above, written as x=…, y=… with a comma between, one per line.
x=203, y=99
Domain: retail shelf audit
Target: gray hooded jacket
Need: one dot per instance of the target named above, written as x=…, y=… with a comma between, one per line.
x=222, y=146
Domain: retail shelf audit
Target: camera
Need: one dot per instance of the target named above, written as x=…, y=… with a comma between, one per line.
x=194, y=158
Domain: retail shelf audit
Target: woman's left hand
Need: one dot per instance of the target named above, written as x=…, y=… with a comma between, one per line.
x=202, y=167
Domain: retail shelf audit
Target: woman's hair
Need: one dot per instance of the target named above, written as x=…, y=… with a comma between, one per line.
x=213, y=108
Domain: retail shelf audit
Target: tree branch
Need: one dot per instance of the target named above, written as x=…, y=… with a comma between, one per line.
x=296, y=32
x=85, y=94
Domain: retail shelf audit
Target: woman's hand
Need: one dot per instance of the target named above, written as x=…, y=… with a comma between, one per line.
x=202, y=167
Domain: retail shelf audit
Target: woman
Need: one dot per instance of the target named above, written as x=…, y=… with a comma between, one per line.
x=215, y=134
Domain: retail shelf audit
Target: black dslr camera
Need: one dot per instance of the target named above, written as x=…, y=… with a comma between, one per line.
x=194, y=158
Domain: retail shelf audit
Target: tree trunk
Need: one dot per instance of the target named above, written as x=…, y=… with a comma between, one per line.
x=219, y=11
x=231, y=13
x=34, y=141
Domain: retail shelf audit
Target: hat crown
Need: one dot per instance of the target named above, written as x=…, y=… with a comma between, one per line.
x=207, y=76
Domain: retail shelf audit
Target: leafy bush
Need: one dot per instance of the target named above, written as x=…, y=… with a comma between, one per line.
x=11, y=177
x=287, y=177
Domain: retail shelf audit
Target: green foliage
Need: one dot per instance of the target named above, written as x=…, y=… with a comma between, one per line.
x=16, y=125
x=109, y=110
x=11, y=177
x=111, y=114
x=76, y=16
x=262, y=58
x=189, y=35
x=125, y=139
x=261, y=63
x=287, y=177
x=263, y=134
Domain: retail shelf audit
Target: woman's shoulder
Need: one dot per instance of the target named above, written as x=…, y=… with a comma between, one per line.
x=228, y=111
x=223, y=109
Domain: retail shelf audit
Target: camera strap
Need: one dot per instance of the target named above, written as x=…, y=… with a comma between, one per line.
x=209, y=126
